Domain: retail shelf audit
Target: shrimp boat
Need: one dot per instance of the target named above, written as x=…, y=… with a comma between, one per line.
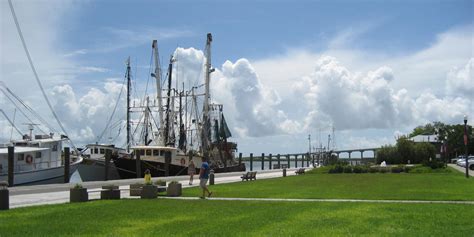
x=93, y=166
x=36, y=161
x=159, y=151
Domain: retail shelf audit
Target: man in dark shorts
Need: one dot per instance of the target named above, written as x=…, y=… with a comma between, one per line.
x=203, y=177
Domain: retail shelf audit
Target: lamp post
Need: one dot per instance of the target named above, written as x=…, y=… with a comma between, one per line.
x=465, y=145
x=445, y=149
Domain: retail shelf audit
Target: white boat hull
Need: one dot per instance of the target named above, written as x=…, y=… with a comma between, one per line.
x=41, y=176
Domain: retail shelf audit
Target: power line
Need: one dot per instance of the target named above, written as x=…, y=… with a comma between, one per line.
x=36, y=74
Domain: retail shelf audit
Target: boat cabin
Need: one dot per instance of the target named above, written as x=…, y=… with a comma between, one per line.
x=154, y=151
x=41, y=153
x=97, y=151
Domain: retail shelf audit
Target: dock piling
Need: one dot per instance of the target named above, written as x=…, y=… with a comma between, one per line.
x=270, y=161
x=67, y=163
x=263, y=160
x=11, y=155
x=4, y=196
x=278, y=159
x=167, y=163
x=251, y=161
x=240, y=159
x=138, y=165
x=108, y=156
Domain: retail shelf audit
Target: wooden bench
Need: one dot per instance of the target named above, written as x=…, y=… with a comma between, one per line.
x=249, y=176
x=300, y=171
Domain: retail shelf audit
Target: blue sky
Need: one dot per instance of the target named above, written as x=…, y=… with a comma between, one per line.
x=416, y=52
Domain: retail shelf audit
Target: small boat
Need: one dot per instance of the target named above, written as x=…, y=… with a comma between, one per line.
x=36, y=161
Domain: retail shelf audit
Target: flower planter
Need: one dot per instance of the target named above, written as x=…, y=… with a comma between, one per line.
x=174, y=190
x=149, y=191
x=136, y=189
x=78, y=195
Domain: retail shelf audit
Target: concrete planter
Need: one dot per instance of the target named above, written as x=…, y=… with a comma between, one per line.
x=149, y=192
x=174, y=190
x=78, y=195
x=136, y=189
x=4, y=199
x=110, y=192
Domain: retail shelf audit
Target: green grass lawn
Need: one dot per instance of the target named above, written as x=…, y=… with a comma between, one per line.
x=403, y=186
x=164, y=217
x=237, y=218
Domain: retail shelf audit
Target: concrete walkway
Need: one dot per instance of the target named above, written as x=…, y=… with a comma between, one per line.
x=22, y=196
x=461, y=169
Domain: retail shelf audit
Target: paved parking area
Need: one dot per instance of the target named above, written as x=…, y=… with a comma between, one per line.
x=461, y=169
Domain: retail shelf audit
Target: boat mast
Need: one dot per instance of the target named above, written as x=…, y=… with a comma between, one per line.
x=168, y=109
x=157, y=75
x=145, y=122
x=205, y=120
x=128, y=104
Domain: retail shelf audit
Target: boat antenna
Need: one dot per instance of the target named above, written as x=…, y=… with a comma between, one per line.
x=36, y=74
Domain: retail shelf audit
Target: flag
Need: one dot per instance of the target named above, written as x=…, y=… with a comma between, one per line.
x=224, y=131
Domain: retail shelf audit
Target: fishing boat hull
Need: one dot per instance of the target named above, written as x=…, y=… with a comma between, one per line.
x=127, y=168
x=94, y=170
x=41, y=176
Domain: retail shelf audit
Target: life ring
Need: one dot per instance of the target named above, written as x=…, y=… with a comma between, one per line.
x=183, y=161
x=29, y=159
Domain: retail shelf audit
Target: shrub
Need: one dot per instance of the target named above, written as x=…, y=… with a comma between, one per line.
x=433, y=164
x=396, y=169
x=174, y=182
x=421, y=169
x=364, y=169
x=383, y=170
x=77, y=186
x=373, y=170
x=407, y=169
x=357, y=169
x=347, y=169
x=336, y=169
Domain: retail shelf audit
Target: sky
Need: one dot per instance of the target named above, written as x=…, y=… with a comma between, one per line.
x=372, y=70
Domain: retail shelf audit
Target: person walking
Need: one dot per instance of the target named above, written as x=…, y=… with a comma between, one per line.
x=191, y=171
x=203, y=177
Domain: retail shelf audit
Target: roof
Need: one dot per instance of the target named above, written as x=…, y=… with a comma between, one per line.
x=19, y=149
x=425, y=138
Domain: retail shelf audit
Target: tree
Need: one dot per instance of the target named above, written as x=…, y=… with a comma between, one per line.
x=406, y=149
x=423, y=151
x=454, y=134
x=389, y=154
